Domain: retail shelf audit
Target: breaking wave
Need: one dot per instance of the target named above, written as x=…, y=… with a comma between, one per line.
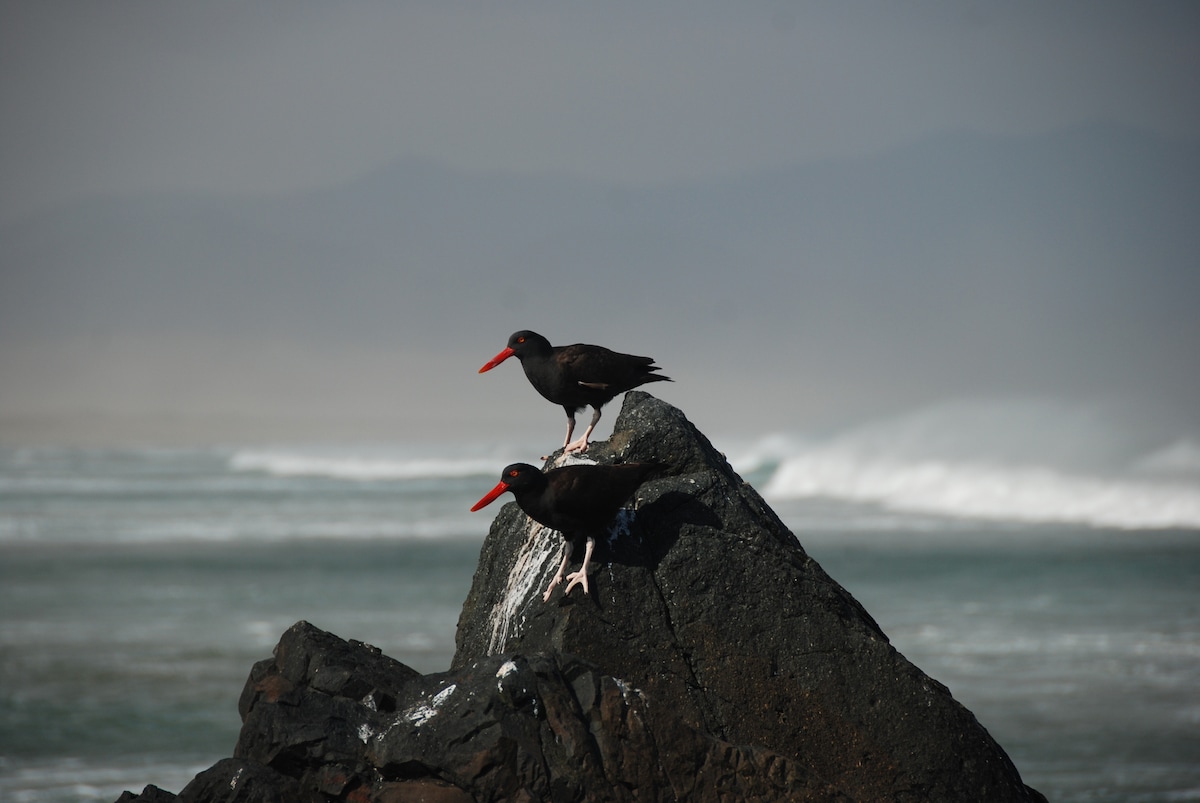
x=364, y=467
x=1014, y=462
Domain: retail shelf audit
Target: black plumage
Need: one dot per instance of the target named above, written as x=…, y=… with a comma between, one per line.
x=580, y=501
x=576, y=376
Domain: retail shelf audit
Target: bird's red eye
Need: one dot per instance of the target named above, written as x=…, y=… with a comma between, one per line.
x=520, y=340
x=513, y=473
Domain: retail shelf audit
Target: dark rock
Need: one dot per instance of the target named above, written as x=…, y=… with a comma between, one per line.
x=151, y=794
x=705, y=601
x=303, y=708
x=553, y=728
x=714, y=661
x=232, y=780
x=507, y=727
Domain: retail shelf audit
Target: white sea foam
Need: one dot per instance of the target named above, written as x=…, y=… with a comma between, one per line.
x=362, y=467
x=1021, y=462
x=978, y=490
x=763, y=453
x=212, y=528
x=1011, y=463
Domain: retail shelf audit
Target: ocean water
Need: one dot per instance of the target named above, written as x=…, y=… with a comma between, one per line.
x=1043, y=564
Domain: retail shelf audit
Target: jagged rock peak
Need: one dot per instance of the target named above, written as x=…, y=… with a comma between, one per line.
x=702, y=598
x=714, y=660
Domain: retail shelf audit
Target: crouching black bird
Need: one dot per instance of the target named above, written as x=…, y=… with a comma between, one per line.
x=580, y=501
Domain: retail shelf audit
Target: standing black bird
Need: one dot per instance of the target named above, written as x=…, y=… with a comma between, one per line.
x=579, y=501
x=576, y=376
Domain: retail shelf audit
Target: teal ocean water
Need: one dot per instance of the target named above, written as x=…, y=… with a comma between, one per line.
x=1055, y=590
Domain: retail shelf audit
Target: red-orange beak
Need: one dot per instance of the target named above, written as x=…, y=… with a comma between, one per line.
x=491, y=496
x=494, y=361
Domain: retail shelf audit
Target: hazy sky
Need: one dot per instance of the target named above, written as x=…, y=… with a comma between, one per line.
x=102, y=97
x=116, y=100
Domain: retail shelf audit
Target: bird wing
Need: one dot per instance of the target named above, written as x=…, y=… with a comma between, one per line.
x=593, y=374
x=580, y=494
x=582, y=364
x=588, y=496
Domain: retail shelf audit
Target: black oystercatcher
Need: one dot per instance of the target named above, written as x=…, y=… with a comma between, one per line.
x=579, y=501
x=576, y=376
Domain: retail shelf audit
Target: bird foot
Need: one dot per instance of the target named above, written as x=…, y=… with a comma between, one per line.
x=574, y=579
x=553, y=584
x=580, y=445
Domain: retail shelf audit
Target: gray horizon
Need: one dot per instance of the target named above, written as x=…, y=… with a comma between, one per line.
x=296, y=222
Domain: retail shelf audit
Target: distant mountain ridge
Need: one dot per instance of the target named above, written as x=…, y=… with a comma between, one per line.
x=922, y=208
x=973, y=260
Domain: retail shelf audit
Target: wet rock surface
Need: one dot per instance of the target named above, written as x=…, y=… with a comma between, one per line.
x=705, y=600
x=506, y=727
x=713, y=660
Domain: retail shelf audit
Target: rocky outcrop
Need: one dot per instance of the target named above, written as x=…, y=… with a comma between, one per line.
x=704, y=600
x=327, y=719
x=713, y=660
